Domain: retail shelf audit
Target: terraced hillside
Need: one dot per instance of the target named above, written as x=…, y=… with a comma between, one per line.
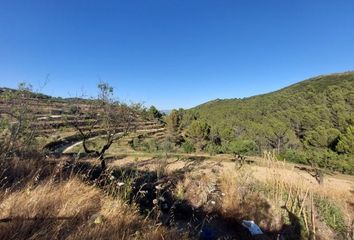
x=53, y=119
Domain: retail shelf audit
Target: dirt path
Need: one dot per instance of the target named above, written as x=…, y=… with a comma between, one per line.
x=71, y=144
x=69, y=148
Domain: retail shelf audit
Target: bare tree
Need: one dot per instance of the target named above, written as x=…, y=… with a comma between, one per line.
x=103, y=117
x=17, y=135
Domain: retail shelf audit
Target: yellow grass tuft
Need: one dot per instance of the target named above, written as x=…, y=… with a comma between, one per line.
x=73, y=210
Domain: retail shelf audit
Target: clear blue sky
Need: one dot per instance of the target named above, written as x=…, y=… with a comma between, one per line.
x=173, y=53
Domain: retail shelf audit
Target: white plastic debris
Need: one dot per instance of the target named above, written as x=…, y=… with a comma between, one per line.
x=96, y=218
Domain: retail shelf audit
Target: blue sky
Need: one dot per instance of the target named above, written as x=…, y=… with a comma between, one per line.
x=173, y=53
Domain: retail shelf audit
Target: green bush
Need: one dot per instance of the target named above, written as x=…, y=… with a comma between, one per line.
x=188, y=147
x=330, y=160
x=153, y=113
x=294, y=156
x=213, y=149
x=135, y=143
x=166, y=146
x=242, y=147
x=150, y=145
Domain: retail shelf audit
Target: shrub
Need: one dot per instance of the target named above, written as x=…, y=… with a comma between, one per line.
x=294, y=156
x=153, y=113
x=166, y=146
x=242, y=147
x=330, y=160
x=213, y=149
x=198, y=132
x=188, y=147
x=331, y=214
x=135, y=143
x=151, y=145
x=74, y=109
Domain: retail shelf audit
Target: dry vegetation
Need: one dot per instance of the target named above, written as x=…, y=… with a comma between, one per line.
x=148, y=192
x=163, y=197
x=73, y=210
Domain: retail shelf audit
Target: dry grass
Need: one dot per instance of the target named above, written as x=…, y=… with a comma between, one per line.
x=242, y=201
x=16, y=173
x=197, y=188
x=275, y=197
x=73, y=210
x=280, y=205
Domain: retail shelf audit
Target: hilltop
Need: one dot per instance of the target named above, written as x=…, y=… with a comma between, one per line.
x=309, y=122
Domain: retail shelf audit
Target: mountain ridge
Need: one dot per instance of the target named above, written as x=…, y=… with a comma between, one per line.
x=314, y=116
x=351, y=72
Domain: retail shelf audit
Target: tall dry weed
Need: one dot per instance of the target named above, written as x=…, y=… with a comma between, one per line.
x=73, y=210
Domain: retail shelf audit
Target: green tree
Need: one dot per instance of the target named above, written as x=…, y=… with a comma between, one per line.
x=322, y=137
x=198, y=131
x=153, y=113
x=242, y=147
x=173, y=120
x=173, y=126
x=346, y=141
x=278, y=134
x=189, y=117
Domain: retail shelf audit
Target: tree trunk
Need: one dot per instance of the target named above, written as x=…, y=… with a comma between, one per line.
x=103, y=164
x=101, y=155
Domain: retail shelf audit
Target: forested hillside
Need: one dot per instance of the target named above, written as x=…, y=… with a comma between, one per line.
x=310, y=122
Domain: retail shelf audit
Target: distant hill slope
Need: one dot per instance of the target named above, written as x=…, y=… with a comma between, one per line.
x=53, y=118
x=315, y=115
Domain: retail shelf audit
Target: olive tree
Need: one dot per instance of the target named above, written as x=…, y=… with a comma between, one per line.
x=104, y=117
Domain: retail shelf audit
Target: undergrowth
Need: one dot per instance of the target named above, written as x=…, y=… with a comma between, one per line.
x=331, y=214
